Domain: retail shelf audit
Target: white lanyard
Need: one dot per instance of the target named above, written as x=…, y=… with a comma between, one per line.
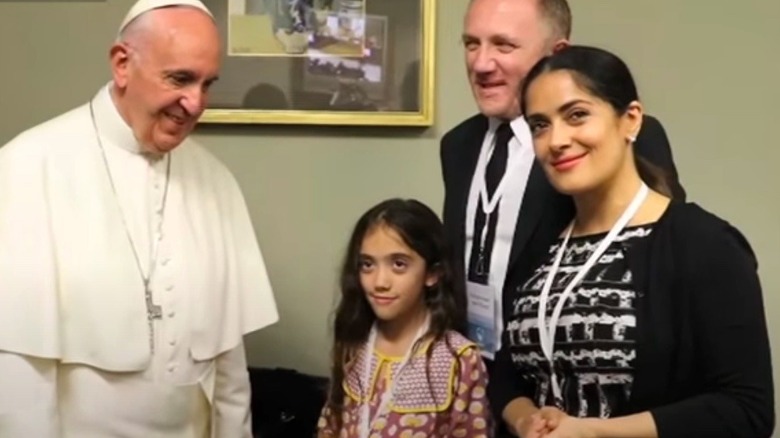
x=489, y=205
x=365, y=420
x=547, y=336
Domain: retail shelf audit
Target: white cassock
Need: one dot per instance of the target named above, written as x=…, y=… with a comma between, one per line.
x=75, y=352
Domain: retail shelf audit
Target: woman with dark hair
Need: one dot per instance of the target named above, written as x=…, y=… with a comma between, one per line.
x=401, y=367
x=645, y=317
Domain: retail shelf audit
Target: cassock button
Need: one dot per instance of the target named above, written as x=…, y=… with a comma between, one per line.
x=169, y=287
x=171, y=314
x=172, y=342
x=171, y=368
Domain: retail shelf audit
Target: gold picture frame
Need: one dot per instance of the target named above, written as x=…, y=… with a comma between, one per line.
x=262, y=84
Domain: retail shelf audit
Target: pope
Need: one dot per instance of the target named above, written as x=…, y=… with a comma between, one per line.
x=129, y=268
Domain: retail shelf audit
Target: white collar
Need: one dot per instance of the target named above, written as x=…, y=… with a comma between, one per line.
x=114, y=130
x=517, y=124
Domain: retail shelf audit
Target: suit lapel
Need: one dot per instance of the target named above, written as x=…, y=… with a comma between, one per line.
x=472, y=145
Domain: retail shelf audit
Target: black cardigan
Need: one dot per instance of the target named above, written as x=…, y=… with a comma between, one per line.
x=703, y=366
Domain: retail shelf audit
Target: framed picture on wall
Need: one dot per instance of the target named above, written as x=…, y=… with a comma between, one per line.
x=324, y=62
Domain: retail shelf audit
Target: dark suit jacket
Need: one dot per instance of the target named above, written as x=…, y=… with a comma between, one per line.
x=544, y=212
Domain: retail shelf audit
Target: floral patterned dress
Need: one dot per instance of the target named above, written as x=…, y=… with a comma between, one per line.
x=452, y=404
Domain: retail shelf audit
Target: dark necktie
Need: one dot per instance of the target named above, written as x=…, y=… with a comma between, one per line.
x=479, y=259
x=497, y=164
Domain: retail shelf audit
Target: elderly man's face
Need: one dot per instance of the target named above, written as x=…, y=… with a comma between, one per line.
x=166, y=79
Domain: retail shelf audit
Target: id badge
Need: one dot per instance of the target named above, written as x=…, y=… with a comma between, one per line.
x=482, y=317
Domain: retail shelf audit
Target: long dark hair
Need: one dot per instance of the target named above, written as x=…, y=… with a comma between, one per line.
x=607, y=77
x=420, y=229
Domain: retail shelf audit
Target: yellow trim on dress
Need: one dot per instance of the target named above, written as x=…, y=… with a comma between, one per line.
x=451, y=390
x=382, y=359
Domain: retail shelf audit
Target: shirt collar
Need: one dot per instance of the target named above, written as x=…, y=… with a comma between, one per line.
x=113, y=128
x=518, y=125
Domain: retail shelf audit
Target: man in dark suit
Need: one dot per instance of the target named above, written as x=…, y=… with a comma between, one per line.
x=497, y=197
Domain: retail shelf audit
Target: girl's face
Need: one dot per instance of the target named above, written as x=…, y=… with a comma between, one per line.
x=393, y=276
x=579, y=139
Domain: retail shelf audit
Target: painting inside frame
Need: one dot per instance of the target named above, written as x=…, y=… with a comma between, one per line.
x=344, y=62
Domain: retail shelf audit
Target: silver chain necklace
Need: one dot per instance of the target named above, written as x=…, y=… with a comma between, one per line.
x=153, y=311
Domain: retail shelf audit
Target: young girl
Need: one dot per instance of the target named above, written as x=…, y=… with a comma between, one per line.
x=401, y=368
x=645, y=316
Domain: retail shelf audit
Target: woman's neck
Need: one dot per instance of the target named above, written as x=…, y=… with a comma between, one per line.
x=598, y=210
x=395, y=337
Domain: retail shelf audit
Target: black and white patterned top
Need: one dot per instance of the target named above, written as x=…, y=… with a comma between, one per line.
x=594, y=340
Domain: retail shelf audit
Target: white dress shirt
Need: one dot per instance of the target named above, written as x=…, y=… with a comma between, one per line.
x=518, y=168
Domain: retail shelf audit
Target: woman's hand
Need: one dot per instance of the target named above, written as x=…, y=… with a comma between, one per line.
x=540, y=423
x=552, y=415
x=532, y=426
x=572, y=427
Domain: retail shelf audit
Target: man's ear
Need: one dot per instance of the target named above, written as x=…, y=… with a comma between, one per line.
x=560, y=45
x=120, y=63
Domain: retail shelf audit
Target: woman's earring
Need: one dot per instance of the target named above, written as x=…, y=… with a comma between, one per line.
x=631, y=139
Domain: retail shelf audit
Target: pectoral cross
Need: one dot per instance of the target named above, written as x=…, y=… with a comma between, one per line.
x=153, y=311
